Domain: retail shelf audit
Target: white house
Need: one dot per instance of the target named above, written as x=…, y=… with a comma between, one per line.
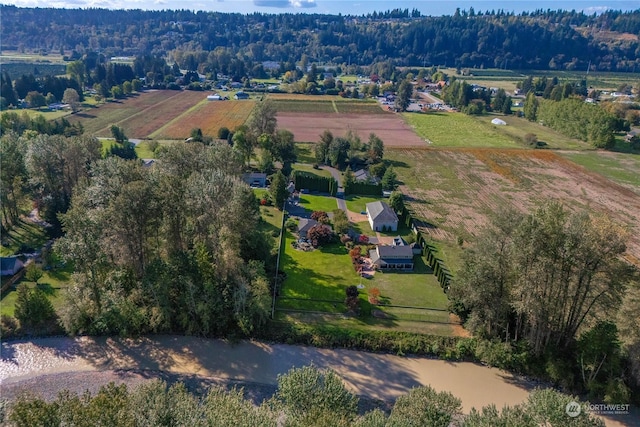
x=381, y=217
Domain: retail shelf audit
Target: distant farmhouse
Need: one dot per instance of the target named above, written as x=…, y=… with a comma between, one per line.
x=381, y=217
x=241, y=95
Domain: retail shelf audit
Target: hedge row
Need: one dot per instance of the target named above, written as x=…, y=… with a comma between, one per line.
x=363, y=189
x=313, y=182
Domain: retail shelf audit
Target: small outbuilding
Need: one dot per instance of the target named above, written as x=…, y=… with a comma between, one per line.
x=241, y=95
x=255, y=179
x=9, y=266
x=381, y=217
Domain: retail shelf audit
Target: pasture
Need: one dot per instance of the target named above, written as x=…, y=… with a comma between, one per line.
x=455, y=191
x=457, y=130
x=518, y=127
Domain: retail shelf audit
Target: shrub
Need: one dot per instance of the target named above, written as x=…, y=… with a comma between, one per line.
x=308, y=389
x=291, y=225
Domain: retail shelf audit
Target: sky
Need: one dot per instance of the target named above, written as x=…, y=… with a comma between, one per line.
x=345, y=7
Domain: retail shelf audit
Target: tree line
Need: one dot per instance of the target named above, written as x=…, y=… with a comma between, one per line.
x=465, y=39
x=554, y=284
x=305, y=396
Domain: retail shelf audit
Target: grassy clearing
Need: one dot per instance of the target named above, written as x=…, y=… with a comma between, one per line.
x=144, y=151
x=457, y=130
x=318, y=203
x=367, y=323
x=53, y=283
x=305, y=153
x=518, y=127
x=310, y=169
x=359, y=203
x=619, y=167
x=23, y=237
x=48, y=115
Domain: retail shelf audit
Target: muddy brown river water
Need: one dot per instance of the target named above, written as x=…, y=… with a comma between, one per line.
x=377, y=376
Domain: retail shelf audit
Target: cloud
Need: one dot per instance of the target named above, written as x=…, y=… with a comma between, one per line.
x=303, y=3
x=595, y=9
x=285, y=3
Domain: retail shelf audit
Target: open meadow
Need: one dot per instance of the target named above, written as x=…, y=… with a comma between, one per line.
x=442, y=129
x=456, y=190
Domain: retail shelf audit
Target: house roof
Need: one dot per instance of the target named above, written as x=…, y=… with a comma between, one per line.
x=361, y=175
x=394, y=252
x=305, y=224
x=380, y=211
x=8, y=263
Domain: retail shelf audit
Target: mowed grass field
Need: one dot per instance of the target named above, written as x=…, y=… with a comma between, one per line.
x=457, y=130
x=518, y=127
x=208, y=116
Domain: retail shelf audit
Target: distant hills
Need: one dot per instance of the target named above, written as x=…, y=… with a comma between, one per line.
x=540, y=40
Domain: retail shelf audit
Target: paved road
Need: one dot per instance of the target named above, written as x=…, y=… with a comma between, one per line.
x=379, y=376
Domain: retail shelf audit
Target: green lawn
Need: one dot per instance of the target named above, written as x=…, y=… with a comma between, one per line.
x=23, y=236
x=324, y=274
x=622, y=168
x=310, y=169
x=53, y=283
x=320, y=274
x=359, y=203
x=318, y=203
x=458, y=130
x=144, y=152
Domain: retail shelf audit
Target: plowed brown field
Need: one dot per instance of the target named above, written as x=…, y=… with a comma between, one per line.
x=391, y=128
x=455, y=190
x=208, y=116
x=139, y=115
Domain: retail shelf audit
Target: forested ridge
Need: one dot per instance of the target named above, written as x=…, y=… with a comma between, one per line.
x=563, y=40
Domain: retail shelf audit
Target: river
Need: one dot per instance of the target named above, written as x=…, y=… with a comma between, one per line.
x=378, y=376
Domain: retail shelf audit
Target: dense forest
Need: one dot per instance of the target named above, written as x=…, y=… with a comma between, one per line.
x=563, y=40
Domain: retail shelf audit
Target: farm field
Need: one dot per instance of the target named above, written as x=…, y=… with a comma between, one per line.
x=307, y=127
x=206, y=115
x=327, y=106
x=455, y=190
x=619, y=167
x=138, y=115
x=457, y=130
